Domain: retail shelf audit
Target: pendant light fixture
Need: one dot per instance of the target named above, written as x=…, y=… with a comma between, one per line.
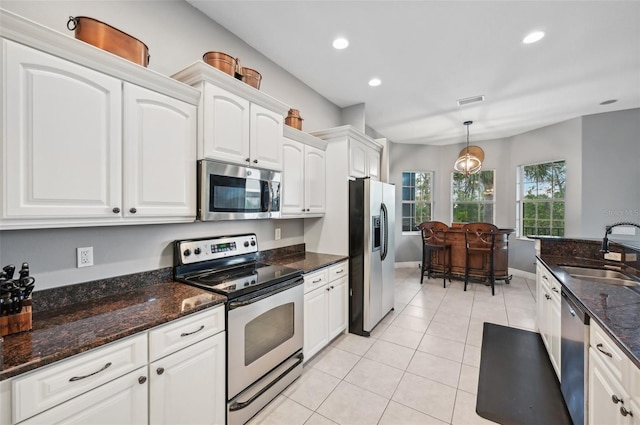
x=470, y=158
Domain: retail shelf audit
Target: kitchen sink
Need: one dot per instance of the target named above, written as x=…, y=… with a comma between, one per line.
x=613, y=277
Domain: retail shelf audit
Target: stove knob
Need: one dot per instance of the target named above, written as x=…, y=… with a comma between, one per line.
x=253, y=243
x=187, y=252
x=246, y=244
x=197, y=251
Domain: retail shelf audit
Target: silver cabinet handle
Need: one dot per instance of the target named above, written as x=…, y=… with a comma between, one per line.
x=554, y=289
x=340, y=271
x=77, y=378
x=316, y=281
x=191, y=333
x=544, y=277
x=606, y=353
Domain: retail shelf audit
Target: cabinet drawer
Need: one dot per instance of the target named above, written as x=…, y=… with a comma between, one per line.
x=316, y=279
x=181, y=333
x=607, y=350
x=338, y=271
x=52, y=385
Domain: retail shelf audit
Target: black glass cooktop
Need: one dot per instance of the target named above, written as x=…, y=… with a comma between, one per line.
x=237, y=281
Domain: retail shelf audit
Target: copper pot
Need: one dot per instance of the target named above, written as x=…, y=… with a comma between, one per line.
x=108, y=38
x=293, y=119
x=221, y=61
x=251, y=77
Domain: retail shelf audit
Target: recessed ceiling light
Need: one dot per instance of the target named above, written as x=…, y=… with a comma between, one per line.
x=533, y=37
x=609, y=102
x=340, y=43
x=375, y=82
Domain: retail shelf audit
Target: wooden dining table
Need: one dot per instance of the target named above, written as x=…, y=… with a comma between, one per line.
x=455, y=238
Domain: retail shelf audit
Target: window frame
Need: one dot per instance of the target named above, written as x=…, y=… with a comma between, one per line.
x=403, y=202
x=492, y=202
x=520, y=197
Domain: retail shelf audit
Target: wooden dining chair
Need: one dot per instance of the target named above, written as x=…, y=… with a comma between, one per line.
x=434, y=244
x=480, y=240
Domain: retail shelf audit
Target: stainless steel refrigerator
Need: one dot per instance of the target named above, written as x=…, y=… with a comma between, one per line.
x=371, y=253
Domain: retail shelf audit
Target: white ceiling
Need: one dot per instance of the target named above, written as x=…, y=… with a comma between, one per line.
x=428, y=54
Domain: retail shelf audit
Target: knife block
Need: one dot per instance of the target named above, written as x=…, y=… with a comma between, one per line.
x=19, y=322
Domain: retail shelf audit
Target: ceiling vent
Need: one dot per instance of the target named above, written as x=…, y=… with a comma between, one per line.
x=468, y=100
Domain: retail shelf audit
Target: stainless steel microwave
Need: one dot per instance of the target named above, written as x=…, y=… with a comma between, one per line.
x=234, y=192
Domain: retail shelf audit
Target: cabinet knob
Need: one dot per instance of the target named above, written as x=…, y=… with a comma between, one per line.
x=160, y=370
x=248, y=159
x=308, y=209
x=303, y=210
x=142, y=379
x=116, y=210
x=133, y=210
x=327, y=289
x=255, y=161
x=625, y=412
x=616, y=400
x=547, y=296
x=331, y=287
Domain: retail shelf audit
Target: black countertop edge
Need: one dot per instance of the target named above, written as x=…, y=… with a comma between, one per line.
x=618, y=319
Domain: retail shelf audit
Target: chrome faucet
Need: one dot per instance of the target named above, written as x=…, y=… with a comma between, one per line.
x=605, y=240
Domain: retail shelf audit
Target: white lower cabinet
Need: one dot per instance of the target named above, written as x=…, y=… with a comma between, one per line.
x=548, y=313
x=188, y=387
x=325, y=307
x=121, y=401
x=614, y=382
x=172, y=374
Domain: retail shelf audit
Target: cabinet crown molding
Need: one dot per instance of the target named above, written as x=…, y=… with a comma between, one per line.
x=24, y=31
x=199, y=71
x=348, y=132
x=306, y=138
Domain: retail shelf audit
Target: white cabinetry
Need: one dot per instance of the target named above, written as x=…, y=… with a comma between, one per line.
x=614, y=390
x=82, y=147
x=304, y=174
x=237, y=123
x=325, y=307
x=172, y=374
x=549, y=303
x=349, y=153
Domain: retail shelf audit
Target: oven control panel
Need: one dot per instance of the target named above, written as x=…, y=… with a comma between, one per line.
x=197, y=250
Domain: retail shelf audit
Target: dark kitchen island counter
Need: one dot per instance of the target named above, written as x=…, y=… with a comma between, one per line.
x=63, y=331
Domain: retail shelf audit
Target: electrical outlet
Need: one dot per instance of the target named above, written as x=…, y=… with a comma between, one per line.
x=613, y=256
x=85, y=256
x=278, y=234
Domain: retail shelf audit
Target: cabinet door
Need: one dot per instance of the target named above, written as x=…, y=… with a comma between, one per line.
x=159, y=155
x=62, y=138
x=122, y=401
x=266, y=138
x=188, y=387
x=293, y=179
x=315, y=180
x=373, y=162
x=554, y=333
x=316, y=332
x=602, y=387
x=337, y=306
x=357, y=159
x=225, y=126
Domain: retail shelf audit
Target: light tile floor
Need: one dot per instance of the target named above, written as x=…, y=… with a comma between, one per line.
x=420, y=365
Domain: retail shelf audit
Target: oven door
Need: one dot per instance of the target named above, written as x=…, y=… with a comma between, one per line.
x=229, y=192
x=263, y=332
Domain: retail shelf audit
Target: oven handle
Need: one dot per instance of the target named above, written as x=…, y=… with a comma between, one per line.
x=244, y=303
x=242, y=404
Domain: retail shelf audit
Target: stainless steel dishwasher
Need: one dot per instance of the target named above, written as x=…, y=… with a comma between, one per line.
x=574, y=343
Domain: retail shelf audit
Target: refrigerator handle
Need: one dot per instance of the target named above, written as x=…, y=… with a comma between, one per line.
x=385, y=231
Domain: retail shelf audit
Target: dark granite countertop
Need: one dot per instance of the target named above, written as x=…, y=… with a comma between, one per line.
x=307, y=261
x=61, y=332
x=615, y=308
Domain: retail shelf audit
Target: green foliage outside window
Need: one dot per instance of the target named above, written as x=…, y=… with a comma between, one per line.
x=416, y=199
x=472, y=197
x=542, y=197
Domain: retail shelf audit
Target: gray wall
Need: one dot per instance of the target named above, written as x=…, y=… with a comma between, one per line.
x=177, y=35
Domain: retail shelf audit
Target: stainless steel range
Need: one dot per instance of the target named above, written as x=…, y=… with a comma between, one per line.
x=264, y=316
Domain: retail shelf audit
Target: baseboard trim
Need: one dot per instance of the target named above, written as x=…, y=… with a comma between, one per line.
x=522, y=273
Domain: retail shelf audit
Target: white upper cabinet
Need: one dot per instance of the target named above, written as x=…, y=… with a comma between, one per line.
x=159, y=155
x=364, y=160
x=238, y=123
x=304, y=174
x=90, y=138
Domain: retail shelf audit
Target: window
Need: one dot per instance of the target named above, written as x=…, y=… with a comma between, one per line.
x=541, y=199
x=472, y=197
x=416, y=199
